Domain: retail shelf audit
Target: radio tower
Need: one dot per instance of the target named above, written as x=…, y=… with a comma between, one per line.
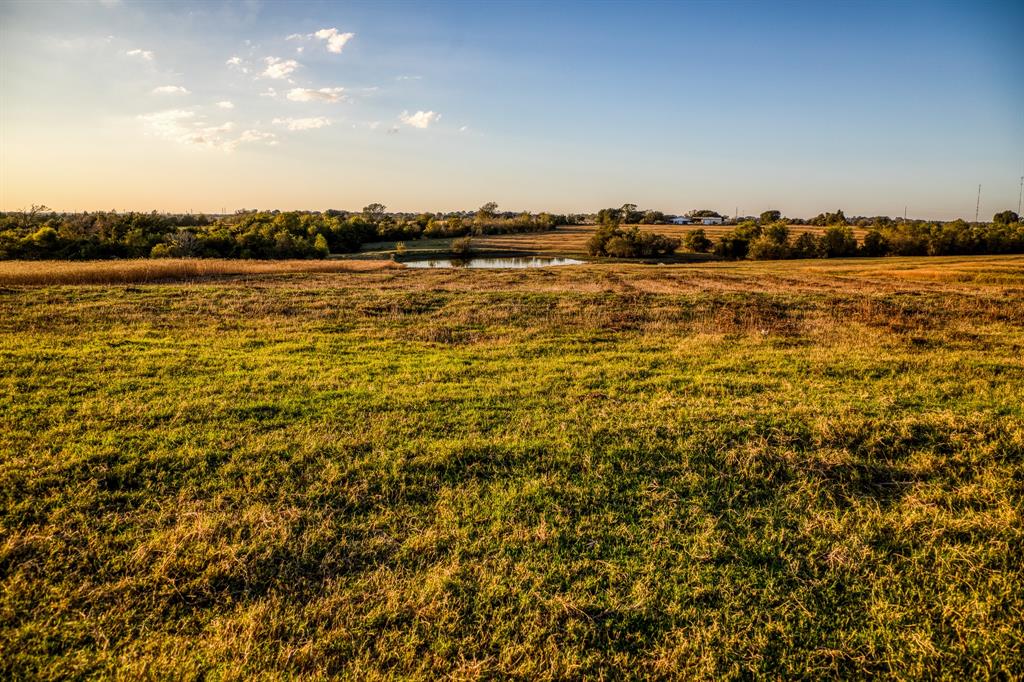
x=1020, y=194
x=977, y=206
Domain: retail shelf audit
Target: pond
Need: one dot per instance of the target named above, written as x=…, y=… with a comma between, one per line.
x=510, y=262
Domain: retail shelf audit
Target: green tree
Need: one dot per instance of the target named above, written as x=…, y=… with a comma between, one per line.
x=874, y=244
x=697, y=241
x=837, y=242
x=770, y=216
x=320, y=244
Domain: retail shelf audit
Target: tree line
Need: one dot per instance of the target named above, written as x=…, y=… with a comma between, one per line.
x=775, y=240
x=769, y=236
x=40, y=233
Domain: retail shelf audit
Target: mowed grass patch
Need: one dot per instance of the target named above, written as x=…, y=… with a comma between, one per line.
x=610, y=471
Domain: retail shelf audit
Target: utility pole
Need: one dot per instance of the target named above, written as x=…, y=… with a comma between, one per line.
x=904, y=214
x=977, y=206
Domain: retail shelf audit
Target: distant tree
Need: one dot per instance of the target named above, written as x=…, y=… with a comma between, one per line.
x=825, y=219
x=770, y=216
x=732, y=247
x=652, y=218
x=630, y=215
x=487, y=212
x=765, y=248
x=874, y=244
x=374, y=212
x=776, y=232
x=609, y=216
x=704, y=213
x=805, y=246
x=697, y=241
x=836, y=242
x=1005, y=218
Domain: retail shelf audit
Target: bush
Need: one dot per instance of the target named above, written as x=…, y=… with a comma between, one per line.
x=697, y=241
x=462, y=246
x=732, y=247
x=765, y=248
x=610, y=240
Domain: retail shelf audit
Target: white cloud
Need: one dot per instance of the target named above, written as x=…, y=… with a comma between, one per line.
x=295, y=36
x=184, y=127
x=269, y=92
x=463, y=129
x=421, y=119
x=279, y=68
x=409, y=78
x=303, y=123
x=321, y=95
x=170, y=90
x=257, y=136
x=226, y=104
x=236, y=63
x=335, y=41
x=141, y=54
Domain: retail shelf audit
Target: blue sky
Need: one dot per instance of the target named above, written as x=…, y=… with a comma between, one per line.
x=798, y=106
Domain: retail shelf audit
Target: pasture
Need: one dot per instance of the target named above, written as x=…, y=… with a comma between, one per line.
x=612, y=471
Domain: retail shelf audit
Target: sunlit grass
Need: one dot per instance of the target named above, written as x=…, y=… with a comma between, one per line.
x=728, y=470
x=170, y=269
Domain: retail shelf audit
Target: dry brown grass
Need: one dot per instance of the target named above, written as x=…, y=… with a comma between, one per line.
x=183, y=269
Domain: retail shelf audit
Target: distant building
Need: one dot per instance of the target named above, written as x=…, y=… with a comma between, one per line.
x=711, y=220
x=681, y=220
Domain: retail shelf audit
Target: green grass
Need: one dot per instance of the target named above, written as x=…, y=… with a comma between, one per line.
x=732, y=470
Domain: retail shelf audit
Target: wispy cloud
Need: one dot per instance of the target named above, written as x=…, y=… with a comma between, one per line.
x=421, y=119
x=303, y=123
x=321, y=95
x=257, y=136
x=170, y=90
x=408, y=78
x=183, y=126
x=237, y=63
x=147, y=55
x=278, y=68
x=225, y=104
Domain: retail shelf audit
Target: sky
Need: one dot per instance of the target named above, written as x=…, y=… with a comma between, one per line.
x=804, y=107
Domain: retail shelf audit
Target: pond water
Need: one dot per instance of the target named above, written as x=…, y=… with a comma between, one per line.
x=511, y=262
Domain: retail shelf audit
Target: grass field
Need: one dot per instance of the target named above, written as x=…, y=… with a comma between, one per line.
x=776, y=469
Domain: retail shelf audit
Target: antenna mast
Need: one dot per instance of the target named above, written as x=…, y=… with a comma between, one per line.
x=1020, y=194
x=977, y=206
